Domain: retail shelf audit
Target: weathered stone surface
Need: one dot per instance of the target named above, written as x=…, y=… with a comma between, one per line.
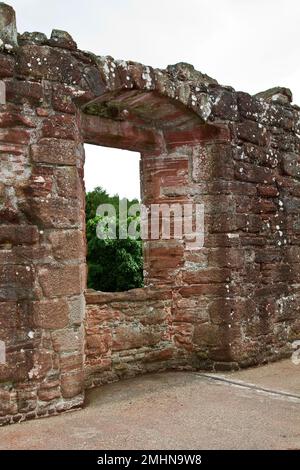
x=279, y=94
x=55, y=152
x=48, y=63
x=56, y=212
x=291, y=165
x=62, y=39
x=8, y=29
x=72, y=384
x=68, y=339
x=60, y=126
x=24, y=92
x=7, y=65
x=61, y=280
x=18, y=234
x=67, y=244
x=251, y=132
x=231, y=302
x=32, y=38
x=52, y=314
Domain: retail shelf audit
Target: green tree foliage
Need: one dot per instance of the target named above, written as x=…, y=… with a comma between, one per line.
x=113, y=265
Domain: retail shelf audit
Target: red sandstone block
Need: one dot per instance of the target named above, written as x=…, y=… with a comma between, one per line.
x=269, y=254
x=16, y=274
x=49, y=394
x=67, y=244
x=251, y=132
x=43, y=112
x=291, y=165
x=48, y=63
x=203, y=290
x=117, y=134
x=283, y=273
x=139, y=79
x=54, y=212
x=27, y=400
x=8, y=403
x=254, y=240
x=60, y=126
x=207, y=276
x=231, y=187
x=15, y=136
x=221, y=223
x=261, y=156
x=183, y=335
x=62, y=99
x=55, y=152
x=21, y=92
x=207, y=334
x=68, y=182
x=13, y=119
x=157, y=314
x=255, y=205
x=19, y=234
x=77, y=309
x=253, y=173
x=71, y=361
x=267, y=191
x=226, y=311
x=68, y=340
x=204, y=133
x=160, y=355
x=7, y=65
x=213, y=161
x=18, y=364
x=227, y=257
x=250, y=223
x=50, y=314
x=9, y=315
x=72, y=384
x=249, y=106
x=131, y=337
x=164, y=249
x=41, y=182
x=281, y=117
x=266, y=206
x=225, y=106
x=13, y=149
x=291, y=204
x=99, y=343
x=61, y=280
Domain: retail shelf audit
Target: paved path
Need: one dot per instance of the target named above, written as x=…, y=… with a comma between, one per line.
x=177, y=410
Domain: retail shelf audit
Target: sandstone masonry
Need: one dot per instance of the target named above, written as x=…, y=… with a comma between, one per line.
x=231, y=304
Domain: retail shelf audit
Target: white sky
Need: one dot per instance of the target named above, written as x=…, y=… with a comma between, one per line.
x=251, y=45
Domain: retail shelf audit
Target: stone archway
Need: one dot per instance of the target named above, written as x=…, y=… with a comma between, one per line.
x=227, y=305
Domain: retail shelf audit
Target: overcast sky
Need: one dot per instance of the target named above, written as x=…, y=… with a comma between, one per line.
x=251, y=45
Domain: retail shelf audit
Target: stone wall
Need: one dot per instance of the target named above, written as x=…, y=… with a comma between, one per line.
x=232, y=303
x=128, y=333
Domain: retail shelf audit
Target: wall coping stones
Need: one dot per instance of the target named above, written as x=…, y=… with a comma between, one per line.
x=135, y=295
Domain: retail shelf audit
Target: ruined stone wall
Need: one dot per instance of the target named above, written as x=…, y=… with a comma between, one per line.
x=128, y=333
x=232, y=303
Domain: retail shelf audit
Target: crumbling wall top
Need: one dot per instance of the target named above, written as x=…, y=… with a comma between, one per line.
x=91, y=76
